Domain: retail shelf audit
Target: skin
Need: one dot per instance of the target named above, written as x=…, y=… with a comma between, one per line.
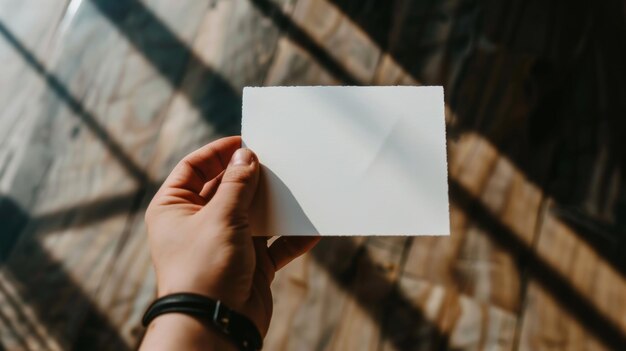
x=201, y=242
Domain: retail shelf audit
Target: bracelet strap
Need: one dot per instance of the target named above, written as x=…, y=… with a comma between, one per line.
x=237, y=327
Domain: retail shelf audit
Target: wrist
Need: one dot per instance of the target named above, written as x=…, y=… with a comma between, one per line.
x=176, y=331
x=210, y=314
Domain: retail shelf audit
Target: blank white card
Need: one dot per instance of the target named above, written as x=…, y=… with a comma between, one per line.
x=348, y=160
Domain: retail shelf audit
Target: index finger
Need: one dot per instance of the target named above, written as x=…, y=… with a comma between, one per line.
x=287, y=248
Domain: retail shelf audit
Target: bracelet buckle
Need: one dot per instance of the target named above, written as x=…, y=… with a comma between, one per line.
x=221, y=317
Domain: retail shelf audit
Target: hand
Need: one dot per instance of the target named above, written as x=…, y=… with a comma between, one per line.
x=200, y=238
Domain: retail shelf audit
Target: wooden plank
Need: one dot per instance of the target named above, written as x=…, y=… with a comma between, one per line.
x=331, y=49
x=317, y=288
x=292, y=66
x=290, y=289
x=432, y=258
x=429, y=257
x=471, y=260
x=361, y=326
x=579, y=305
x=389, y=72
x=440, y=318
x=343, y=39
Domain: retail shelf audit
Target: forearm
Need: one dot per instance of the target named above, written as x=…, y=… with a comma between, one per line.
x=174, y=331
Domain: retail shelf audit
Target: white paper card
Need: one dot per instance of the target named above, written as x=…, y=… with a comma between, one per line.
x=348, y=160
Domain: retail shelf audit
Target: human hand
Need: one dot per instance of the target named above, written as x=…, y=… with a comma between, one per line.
x=200, y=238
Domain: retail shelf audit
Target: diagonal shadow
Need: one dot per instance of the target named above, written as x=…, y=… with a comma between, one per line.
x=50, y=308
x=477, y=63
x=375, y=18
x=216, y=100
x=86, y=213
x=332, y=254
x=547, y=276
x=33, y=332
x=170, y=67
x=60, y=282
x=13, y=221
x=350, y=265
x=133, y=20
x=301, y=38
x=601, y=236
x=604, y=238
x=557, y=285
x=375, y=23
x=88, y=118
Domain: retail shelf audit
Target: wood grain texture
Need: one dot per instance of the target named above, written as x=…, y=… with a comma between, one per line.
x=102, y=112
x=19, y=326
x=321, y=46
x=587, y=313
x=323, y=280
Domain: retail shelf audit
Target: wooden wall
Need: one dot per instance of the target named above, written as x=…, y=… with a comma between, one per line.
x=99, y=99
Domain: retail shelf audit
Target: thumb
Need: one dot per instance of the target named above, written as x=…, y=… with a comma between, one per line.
x=238, y=185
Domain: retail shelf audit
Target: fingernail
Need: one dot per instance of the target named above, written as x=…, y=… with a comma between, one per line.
x=242, y=157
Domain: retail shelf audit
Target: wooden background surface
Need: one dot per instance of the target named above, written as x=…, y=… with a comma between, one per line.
x=100, y=98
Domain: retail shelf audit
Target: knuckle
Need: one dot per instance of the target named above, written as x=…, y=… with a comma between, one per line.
x=237, y=175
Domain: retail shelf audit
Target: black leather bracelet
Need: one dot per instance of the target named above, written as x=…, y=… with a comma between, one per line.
x=237, y=327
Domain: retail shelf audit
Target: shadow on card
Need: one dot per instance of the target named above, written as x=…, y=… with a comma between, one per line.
x=275, y=210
